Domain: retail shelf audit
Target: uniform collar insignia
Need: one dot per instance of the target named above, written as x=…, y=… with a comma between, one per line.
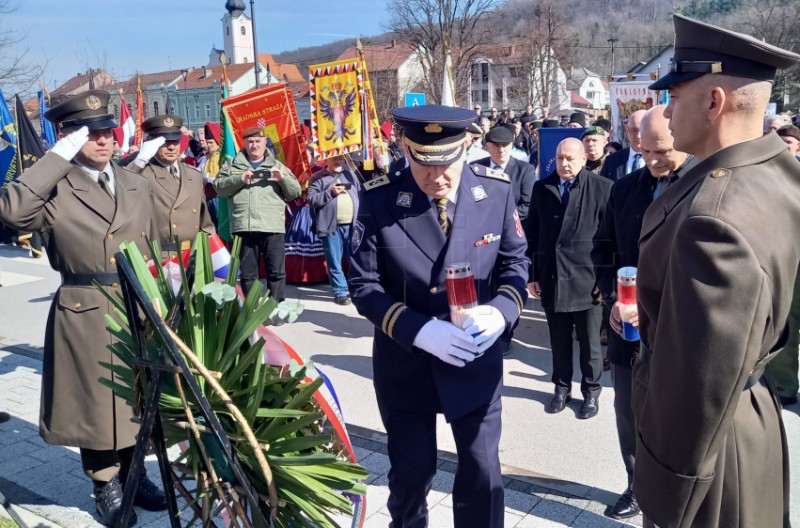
x=478, y=193
x=404, y=199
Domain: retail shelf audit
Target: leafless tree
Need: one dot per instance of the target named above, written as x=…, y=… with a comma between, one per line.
x=436, y=26
x=544, y=38
x=16, y=70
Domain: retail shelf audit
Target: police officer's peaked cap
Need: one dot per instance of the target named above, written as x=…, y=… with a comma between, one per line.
x=702, y=49
x=167, y=126
x=500, y=134
x=434, y=134
x=88, y=109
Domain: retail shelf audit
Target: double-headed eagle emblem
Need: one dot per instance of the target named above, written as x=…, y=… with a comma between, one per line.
x=337, y=103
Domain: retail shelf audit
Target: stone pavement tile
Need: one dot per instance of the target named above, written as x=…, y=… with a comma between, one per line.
x=21, y=463
x=555, y=512
x=17, y=449
x=588, y=519
x=519, y=502
x=440, y=515
x=377, y=495
x=441, y=489
x=511, y=520
x=361, y=452
x=378, y=520
x=16, y=431
x=377, y=464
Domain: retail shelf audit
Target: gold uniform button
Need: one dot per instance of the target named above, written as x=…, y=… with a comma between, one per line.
x=114, y=284
x=718, y=173
x=144, y=234
x=111, y=236
x=434, y=289
x=194, y=210
x=112, y=260
x=77, y=306
x=174, y=226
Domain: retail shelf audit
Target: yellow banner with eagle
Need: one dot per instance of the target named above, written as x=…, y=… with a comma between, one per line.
x=337, y=98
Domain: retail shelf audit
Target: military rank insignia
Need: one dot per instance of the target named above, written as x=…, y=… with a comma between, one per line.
x=404, y=199
x=487, y=239
x=518, y=225
x=358, y=235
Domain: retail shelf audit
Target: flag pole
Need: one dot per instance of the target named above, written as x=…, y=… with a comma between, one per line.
x=17, y=155
x=372, y=112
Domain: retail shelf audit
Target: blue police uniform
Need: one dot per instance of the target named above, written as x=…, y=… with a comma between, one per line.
x=397, y=281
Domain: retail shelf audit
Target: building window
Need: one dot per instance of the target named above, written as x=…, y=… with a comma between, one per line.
x=480, y=73
x=244, y=31
x=590, y=95
x=498, y=94
x=485, y=96
x=228, y=31
x=155, y=108
x=197, y=111
x=476, y=96
x=513, y=71
x=485, y=72
x=208, y=109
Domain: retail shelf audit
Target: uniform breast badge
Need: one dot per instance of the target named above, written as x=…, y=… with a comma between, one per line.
x=478, y=193
x=358, y=235
x=404, y=199
x=487, y=239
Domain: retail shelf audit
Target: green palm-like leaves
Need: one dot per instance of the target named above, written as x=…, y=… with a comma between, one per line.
x=309, y=475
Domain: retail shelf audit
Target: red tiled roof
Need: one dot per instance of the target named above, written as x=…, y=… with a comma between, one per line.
x=382, y=57
x=279, y=70
x=80, y=80
x=195, y=78
x=578, y=100
x=147, y=79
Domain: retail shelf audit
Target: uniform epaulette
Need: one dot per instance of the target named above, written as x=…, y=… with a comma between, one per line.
x=377, y=182
x=487, y=172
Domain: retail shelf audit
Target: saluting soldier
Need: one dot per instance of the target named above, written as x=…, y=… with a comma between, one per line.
x=437, y=212
x=718, y=258
x=179, y=204
x=84, y=205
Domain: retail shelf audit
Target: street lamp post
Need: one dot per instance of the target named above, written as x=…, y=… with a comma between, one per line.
x=255, y=44
x=185, y=74
x=612, y=41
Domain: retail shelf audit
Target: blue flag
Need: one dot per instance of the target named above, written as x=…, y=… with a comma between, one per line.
x=549, y=138
x=8, y=143
x=48, y=130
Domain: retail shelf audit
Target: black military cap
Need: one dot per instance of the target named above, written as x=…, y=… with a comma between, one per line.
x=88, y=109
x=537, y=123
x=593, y=131
x=701, y=49
x=603, y=123
x=167, y=126
x=578, y=117
x=550, y=123
x=500, y=134
x=434, y=134
x=526, y=119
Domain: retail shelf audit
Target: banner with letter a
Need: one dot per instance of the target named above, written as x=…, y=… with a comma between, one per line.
x=336, y=107
x=272, y=109
x=626, y=98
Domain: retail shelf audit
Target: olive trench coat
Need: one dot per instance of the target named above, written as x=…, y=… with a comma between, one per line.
x=718, y=258
x=82, y=228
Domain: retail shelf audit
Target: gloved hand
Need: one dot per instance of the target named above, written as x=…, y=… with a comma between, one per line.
x=148, y=150
x=485, y=325
x=71, y=144
x=447, y=342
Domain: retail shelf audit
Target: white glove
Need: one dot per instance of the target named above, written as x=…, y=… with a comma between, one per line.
x=447, y=342
x=485, y=325
x=148, y=150
x=71, y=144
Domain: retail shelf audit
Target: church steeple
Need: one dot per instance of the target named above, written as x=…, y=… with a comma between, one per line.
x=235, y=7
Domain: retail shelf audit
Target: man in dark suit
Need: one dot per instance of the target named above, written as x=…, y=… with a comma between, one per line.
x=566, y=211
x=718, y=258
x=499, y=143
x=410, y=226
x=628, y=159
x=618, y=246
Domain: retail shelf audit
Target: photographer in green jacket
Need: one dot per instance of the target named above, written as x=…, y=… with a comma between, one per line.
x=257, y=187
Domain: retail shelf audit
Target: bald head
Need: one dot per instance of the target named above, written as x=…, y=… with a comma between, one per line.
x=570, y=158
x=657, y=143
x=632, y=128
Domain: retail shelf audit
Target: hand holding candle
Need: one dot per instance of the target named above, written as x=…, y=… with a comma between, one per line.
x=626, y=300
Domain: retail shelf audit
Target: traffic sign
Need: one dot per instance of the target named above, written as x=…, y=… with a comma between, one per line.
x=415, y=99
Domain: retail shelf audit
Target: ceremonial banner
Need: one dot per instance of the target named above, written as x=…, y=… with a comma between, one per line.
x=227, y=151
x=127, y=125
x=271, y=108
x=549, y=138
x=139, y=112
x=8, y=143
x=337, y=116
x=626, y=98
x=48, y=131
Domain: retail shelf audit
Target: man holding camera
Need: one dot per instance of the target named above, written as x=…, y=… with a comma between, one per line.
x=333, y=193
x=257, y=187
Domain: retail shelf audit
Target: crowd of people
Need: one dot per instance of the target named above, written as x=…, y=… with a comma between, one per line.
x=698, y=201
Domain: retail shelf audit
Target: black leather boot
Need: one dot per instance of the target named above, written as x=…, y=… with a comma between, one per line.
x=108, y=502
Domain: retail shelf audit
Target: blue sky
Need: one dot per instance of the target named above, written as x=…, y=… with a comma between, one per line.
x=156, y=35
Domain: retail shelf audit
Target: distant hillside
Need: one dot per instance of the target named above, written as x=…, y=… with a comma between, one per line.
x=304, y=57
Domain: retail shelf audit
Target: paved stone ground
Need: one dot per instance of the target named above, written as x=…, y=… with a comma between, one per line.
x=48, y=480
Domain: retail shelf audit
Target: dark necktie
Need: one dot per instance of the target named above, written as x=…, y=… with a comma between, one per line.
x=565, y=188
x=104, y=182
x=441, y=213
x=173, y=171
x=637, y=162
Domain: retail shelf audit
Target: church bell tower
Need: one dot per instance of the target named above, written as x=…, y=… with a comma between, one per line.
x=237, y=30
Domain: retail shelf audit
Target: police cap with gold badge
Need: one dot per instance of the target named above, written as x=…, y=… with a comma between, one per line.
x=434, y=134
x=701, y=49
x=167, y=126
x=89, y=109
